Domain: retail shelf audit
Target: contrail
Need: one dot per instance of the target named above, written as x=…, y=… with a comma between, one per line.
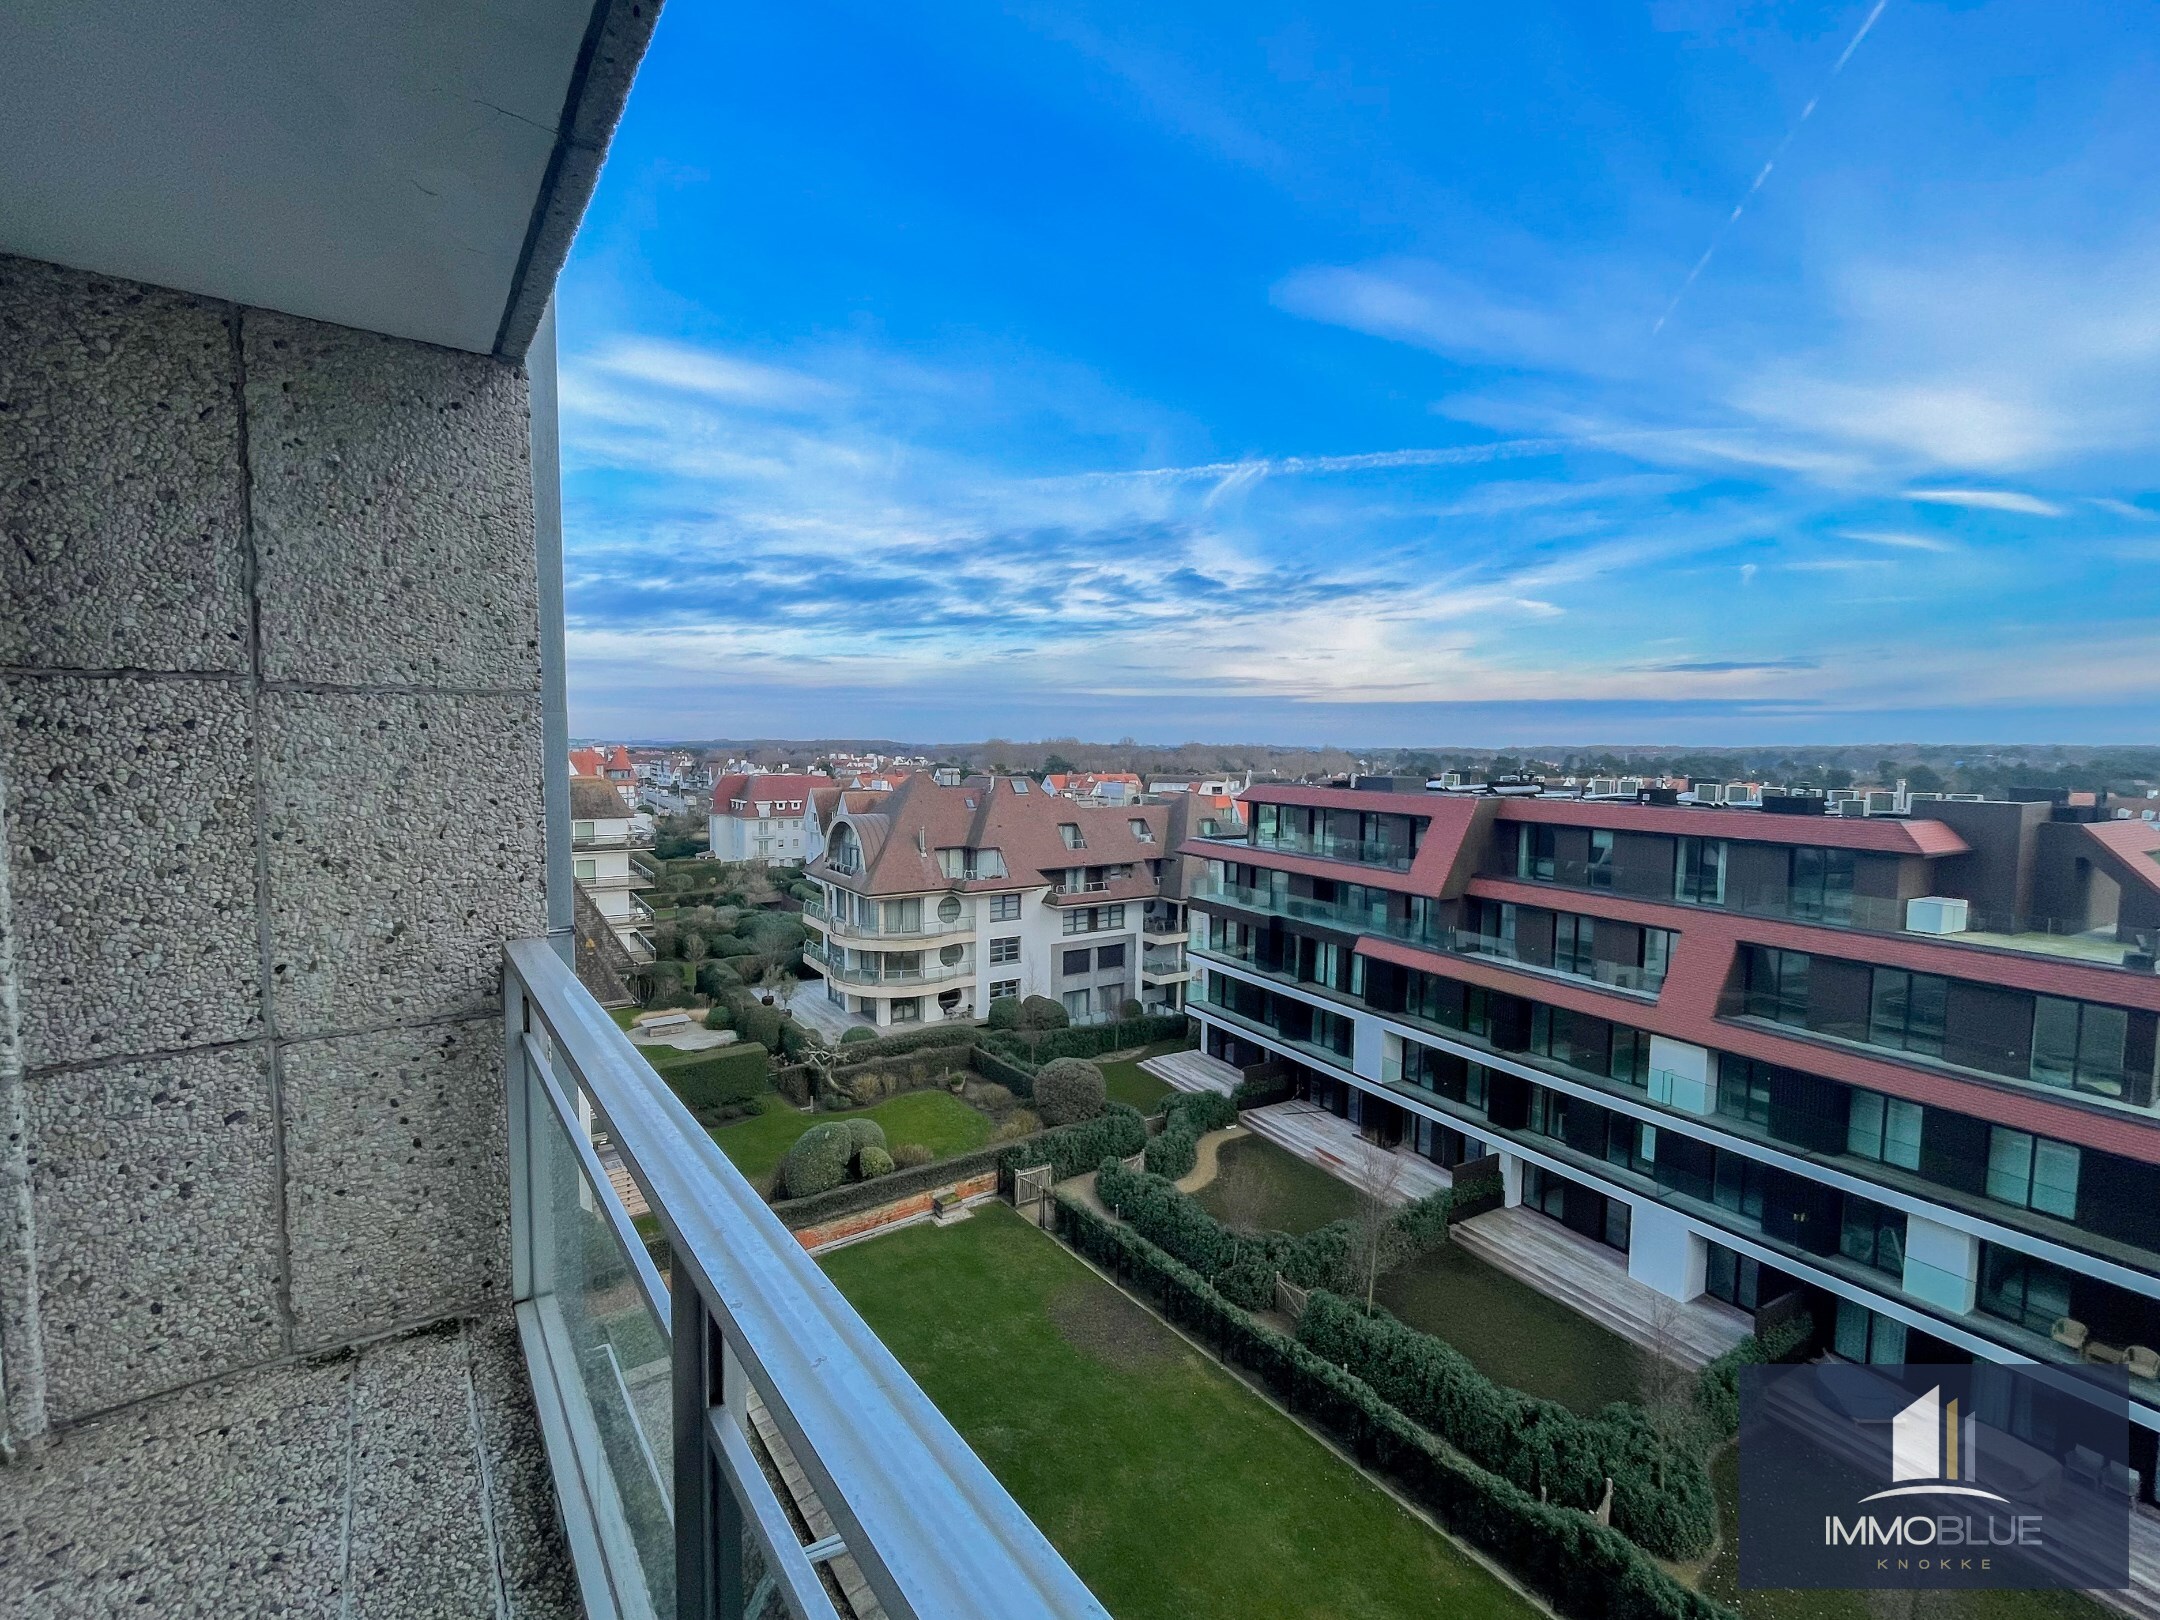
x=1763, y=173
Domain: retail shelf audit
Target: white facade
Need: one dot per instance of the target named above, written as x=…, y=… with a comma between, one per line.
x=600, y=862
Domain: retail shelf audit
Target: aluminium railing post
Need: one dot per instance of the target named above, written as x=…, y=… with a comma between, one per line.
x=517, y=1098
x=708, y=1519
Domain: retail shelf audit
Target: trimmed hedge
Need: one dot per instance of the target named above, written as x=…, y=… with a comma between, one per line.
x=857, y=1196
x=1071, y=1150
x=1662, y=1498
x=914, y=1040
x=1477, y=1194
x=1069, y=1090
x=718, y=1077
x=794, y=1082
x=1015, y=1077
x=1092, y=1040
x=1187, y=1116
x=1259, y=1091
x=1717, y=1387
x=1583, y=1569
x=1243, y=1266
x=856, y=1034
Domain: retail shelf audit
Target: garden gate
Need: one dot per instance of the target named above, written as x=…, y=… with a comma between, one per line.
x=1031, y=1193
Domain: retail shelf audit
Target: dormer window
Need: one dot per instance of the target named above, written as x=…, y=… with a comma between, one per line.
x=1070, y=832
x=1141, y=830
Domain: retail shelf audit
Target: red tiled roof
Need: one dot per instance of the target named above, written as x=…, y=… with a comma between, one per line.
x=2135, y=846
x=902, y=835
x=763, y=789
x=1440, y=868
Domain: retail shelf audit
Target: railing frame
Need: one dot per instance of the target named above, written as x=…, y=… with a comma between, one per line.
x=935, y=1535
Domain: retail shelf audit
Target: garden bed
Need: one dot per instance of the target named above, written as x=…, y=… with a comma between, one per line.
x=1260, y=1187
x=937, y=1120
x=1099, y=1420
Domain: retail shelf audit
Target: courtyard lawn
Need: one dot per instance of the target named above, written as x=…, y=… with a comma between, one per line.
x=1175, y=1492
x=1511, y=1332
x=1259, y=1187
x=624, y=1016
x=938, y=1120
x=1129, y=1083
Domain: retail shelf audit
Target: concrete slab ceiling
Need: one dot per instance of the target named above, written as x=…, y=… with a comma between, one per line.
x=393, y=165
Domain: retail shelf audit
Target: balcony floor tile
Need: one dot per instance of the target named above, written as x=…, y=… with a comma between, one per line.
x=404, y=1479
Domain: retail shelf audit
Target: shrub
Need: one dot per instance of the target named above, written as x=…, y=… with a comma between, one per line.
x=715, y=978
x=1070, y=1149
x=760, y=1023
x=1042, y=1013
x=1187, y=1116
x=1717, y=1387
x=873, y=1161
x=818, y=1162
x=716, y=1078
x=718, y=1017
x=1095, y=1039
x=1130, y=1008
x=728, y=946
x=1004, y=1013
x=1068, y=1091
x=911, y=1156
x=1661, y=1493
x=1014, y=1126
x=856, y=1035
x=993, y=1098
x=864, y=1132
x=1261, y=1090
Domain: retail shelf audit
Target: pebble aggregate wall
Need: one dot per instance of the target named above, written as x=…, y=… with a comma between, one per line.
x=270, y=777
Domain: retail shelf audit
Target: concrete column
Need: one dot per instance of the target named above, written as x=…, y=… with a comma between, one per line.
x=1511, y=1169
x=1663, y=1252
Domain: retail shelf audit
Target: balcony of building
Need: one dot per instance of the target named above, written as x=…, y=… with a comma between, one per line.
x=1164, y=966
x=946, y=918
x=313, y=1299
x=878, y=973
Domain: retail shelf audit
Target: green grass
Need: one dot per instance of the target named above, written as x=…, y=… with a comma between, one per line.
x=1259, y=1187
x=1129, y=1083
x=1511, y=1332
x=938, y=1120
x=1174, y=1491
x=624, y=1015
x=1722, y=1581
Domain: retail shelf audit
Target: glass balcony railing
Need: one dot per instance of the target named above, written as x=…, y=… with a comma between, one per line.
x=654, y=1389
x=1361, y=919
x=895, y=925
x=1327, y=846
x=1616, y=975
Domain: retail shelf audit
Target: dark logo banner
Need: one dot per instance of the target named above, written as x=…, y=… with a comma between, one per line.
x=1912, y=1476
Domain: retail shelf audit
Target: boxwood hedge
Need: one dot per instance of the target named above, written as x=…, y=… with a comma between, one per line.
x=1661, y=1492
x=718, y=1076
x=1583, y=1569
x=1187, y=1116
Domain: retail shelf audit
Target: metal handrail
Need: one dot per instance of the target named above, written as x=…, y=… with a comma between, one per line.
x=936, y=1536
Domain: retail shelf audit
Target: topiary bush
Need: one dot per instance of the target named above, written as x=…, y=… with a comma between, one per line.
x=864, y=1132
x=719, y=1017
x=1068, y=1091
x=1042, y=1013
x=856, y=1035
x=819, y=1160
x=757, y=1022
x=1004, y=1013
x=873, y=1161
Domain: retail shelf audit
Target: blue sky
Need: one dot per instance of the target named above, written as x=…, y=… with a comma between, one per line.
x=1335, y=374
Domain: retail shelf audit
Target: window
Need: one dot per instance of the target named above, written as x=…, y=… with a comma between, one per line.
x=1141, y=830
x=1734, y=1278
x=1111, y=956
x=1885, y=1129
x=587, y=869
x=1600, y=872
x=1535, y=850
x=2079, y=1045
x=1776, y=984
x=948, y=909
x=1110, y=998
x=1864, y=1336
x=1739, y=1185
x=581, y=829
x=1699, y=871
x=1656, y=956
x=1001, y=989
x=1006, y=949
x=1905, y=1011
x=1071, y=962
x=1112, y=916
x=1004, y=908
x=1743, y=1090
x=1093, y=919
x=1873, y=1235
x=844, y=852
x=1821, y=885
x=2023, y=1290
x=950, y=955
x=1076, y=1004
x=1070, y=832
x=2032, y=1172
x=1573, y=938
x=970, y=865
x=1020, y=784
x=908, y=1011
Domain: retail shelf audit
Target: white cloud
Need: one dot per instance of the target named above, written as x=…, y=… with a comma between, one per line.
x=1987, y=500
x=1898, y=540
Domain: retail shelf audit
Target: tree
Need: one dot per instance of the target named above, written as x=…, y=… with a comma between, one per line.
x=1924, y=779
x=1373, y=1239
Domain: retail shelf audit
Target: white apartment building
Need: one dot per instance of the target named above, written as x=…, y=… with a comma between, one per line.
x=940, y=899
x=764, y=817
x=603, y=832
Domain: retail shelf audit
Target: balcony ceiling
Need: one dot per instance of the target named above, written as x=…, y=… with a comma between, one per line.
x=414, y=167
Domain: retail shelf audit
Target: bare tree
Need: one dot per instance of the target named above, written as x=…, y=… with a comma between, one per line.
x=1378, y=1175
x=1667, y=1387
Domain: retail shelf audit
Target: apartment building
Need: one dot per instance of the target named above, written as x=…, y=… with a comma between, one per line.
x=602, y=835
x=763, y=817
x=612, y=765
x=1901, y=1067
x=942, y=898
